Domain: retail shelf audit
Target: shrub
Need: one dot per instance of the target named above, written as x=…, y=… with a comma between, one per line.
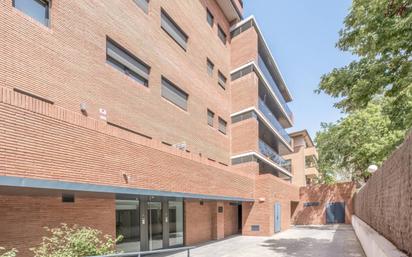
x=75, y=241
x=11, y=253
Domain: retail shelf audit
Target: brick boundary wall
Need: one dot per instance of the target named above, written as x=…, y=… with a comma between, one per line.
x=320, y=196
x=385, y=202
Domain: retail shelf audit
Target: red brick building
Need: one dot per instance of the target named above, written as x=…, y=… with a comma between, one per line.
x=162, y=121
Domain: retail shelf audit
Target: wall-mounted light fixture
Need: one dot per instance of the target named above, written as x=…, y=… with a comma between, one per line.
x=83, y=108
x=372, y=168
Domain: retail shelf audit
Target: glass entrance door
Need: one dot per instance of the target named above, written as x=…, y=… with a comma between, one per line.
x=155, y=224
x=176, y=223
x=128, y=225
x=149, y=223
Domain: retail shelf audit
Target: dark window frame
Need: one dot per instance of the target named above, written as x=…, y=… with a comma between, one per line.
x=45, y=3
x=177, y=89
x=210, y=67
x=223, y=131
x=210, y=18
x=125, y=69
x=210, y=122
x=221, y=79
x=143, y=5
x=221, y=34
x=185, y=38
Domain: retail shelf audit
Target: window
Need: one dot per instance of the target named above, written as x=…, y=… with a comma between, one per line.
x=221, y=80
x=221, y=34
x=310, y=161
x=222, y=125
x=143, y=4
x=173, y=30
x=127, y=63
x=210, y=117
x=37, y=9
x=174, y=94
x=210, y=67
x=209, y=17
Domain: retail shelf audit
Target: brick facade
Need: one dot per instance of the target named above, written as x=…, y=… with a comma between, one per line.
x=76, y=70
x=47, y=73
x=385, y=202
x=25, y=213
x=69, y=147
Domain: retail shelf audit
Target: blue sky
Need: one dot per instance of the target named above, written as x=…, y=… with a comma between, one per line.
x=302, y=35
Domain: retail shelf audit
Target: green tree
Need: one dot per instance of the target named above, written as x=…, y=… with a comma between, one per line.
x=379, y=33
x=375, y=90
x=346, y=148
x=75, y=241
x=10, y=253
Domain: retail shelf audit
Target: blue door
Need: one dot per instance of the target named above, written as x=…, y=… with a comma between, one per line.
x=277, y=217
x=335, y=213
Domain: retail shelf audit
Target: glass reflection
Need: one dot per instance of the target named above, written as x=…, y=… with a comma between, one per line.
x=175, y=223
x=128, y=225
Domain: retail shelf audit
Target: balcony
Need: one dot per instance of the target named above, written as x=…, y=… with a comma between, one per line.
x=267, y=151
x=273, y=121
x=274, y=86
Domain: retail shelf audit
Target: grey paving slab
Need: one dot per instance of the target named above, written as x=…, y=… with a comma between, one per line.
x=302, y=241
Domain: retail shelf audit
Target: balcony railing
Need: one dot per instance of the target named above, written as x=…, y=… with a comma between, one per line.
x=274, y=86
x=272, y=119
x=267, y=151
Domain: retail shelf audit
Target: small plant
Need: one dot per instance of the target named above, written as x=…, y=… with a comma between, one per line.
x=75, y=241
x=4, y=253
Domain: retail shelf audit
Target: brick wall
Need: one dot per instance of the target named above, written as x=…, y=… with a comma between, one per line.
x=198, y=222
x=245, y=136
x=323, y=194
x=244, y=92
x=271, y=190
x=385, y=202
x=25, y=213
x=66, y=63
x=67, y=146
x=245, y=48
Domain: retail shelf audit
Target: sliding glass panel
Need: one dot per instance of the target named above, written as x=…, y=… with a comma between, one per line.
x=175, y=223
x=128, y=225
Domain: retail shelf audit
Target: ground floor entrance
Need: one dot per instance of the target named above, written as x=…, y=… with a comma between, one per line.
x=145, y=222
x=149, y=223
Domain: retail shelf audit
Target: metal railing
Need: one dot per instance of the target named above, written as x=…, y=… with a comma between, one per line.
x=139, y=254
x=267, y=151
x=274, y=86
x=273, y=120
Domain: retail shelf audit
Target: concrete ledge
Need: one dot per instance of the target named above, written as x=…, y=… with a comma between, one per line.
x=372, y=242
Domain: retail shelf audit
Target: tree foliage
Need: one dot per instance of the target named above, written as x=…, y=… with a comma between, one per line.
x=75, y=241
x=379, y=32
x=362, y=138
x=10, y=253
x=375, y=90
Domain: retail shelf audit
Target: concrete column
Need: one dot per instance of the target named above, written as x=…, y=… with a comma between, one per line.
x=218, y=222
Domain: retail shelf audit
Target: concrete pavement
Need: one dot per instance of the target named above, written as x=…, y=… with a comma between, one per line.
x=302, y=241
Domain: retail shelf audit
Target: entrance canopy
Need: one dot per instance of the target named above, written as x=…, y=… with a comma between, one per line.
x=85, y=187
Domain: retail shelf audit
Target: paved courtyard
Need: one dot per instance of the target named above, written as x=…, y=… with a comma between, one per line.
x=302, y=241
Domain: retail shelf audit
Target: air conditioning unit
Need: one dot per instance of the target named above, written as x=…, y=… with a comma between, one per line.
x=182, y=146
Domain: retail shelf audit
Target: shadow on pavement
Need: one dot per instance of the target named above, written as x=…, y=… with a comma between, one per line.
x=344, y=243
